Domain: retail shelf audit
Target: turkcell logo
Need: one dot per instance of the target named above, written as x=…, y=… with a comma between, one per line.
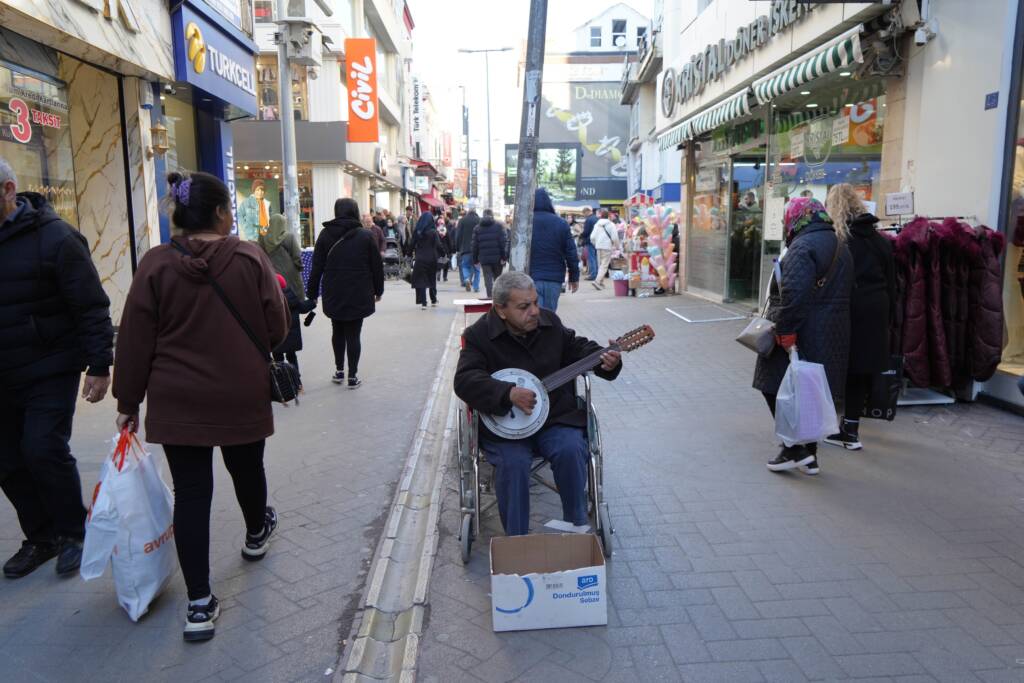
x=586, y=582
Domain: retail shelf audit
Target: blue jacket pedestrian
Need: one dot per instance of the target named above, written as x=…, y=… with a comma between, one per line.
x=552, y=252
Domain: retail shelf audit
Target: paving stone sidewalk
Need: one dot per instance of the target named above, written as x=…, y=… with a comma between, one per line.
x=903, y=562
x=331, y=467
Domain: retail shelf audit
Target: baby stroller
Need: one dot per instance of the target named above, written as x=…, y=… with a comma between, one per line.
x=393, y=259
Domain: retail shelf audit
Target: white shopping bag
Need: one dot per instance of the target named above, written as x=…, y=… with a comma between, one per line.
x=130, y=524
x=804, y=411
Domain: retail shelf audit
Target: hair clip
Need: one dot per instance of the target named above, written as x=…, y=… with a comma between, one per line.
x=182, y=189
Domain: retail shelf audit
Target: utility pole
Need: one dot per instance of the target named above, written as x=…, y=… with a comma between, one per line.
x=287, y=114
x=465, y=132
x=529, y=132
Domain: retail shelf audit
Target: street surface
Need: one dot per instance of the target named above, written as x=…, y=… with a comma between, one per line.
x=903, y=562
x=331, y=469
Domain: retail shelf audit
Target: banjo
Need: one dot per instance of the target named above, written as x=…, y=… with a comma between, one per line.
x=516, y=424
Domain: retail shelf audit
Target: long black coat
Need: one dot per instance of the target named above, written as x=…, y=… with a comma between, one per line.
x=347, y=261
x=819, y=317
x=293, y=342
x=873, y=299
x=489, y=347
x=426, y=249
x=54, y=314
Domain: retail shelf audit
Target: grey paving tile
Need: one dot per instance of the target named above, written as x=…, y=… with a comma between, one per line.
x=861, y=666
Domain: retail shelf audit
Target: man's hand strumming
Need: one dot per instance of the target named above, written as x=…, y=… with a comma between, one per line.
x=524, y=399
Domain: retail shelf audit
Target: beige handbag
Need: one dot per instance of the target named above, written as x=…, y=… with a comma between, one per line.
x=759, y=334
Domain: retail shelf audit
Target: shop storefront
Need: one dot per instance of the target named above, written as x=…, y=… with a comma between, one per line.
x=215, y=83
x=752, y=143
x=75, y=99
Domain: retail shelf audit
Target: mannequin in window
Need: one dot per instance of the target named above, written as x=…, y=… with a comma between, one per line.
x=1013, y=300
x=254, y=213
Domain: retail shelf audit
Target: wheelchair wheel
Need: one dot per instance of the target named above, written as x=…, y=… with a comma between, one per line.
x=605, y=530
x=466, y=537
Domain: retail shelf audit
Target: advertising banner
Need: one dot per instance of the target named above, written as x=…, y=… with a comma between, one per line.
x=210, y=59
x=558, y=170
x=361, y=83
x=461, y=183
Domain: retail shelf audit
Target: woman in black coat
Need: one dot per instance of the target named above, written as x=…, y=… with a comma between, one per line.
x=872, y=305
x=346, y=260
x=425, y=246
x=811, y=311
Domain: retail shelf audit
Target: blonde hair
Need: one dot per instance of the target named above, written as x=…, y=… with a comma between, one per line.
x=842, y=204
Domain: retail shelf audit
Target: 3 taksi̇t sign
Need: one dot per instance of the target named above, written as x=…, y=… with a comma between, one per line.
x=678, y=86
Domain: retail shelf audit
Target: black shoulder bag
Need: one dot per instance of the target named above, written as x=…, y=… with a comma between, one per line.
x=284, y=377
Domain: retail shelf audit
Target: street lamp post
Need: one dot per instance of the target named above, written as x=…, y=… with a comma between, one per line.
x=487, y=68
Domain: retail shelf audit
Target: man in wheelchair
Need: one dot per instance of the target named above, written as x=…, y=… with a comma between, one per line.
x=517, y=333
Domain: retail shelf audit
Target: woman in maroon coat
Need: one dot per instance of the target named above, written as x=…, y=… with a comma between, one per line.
x=205, y=382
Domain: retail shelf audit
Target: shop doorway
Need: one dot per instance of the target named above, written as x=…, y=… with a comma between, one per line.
x=746, y=227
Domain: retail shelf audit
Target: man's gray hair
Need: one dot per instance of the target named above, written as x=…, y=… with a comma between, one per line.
x=506, y=282
x=7, y=173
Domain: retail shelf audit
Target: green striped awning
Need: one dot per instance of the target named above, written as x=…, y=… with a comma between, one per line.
x=673, y=136
x=732, y=108
x=841, y=52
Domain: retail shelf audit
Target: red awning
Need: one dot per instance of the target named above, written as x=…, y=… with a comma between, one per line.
x=432, y=201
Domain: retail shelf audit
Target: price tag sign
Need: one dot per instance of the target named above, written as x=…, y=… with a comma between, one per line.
x=796, y=145
x=774, y=213
x=899, y=203
x=840, y=131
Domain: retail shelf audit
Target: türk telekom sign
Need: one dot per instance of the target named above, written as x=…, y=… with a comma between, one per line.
x=678, y=86
x=361, y=84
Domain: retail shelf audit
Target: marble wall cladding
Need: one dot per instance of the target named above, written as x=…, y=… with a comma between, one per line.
x=142, y=171
x=99, y=175
x=130, y=36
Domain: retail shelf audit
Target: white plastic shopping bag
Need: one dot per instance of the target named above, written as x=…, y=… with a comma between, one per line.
x=130, y=525
x=804, y=411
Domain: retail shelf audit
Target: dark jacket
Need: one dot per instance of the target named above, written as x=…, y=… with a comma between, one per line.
x=281, y=245
x=489, y=347
x=552, y=249
x=348, y=262
x=426, y=249
x=204, y=381
x=489, y=246
x=820, y=317
x=873, y=297
x=464, y=232
x=985, y=323
x=54, y=314
x=293, y=342
x=588, y=228
x=923, y=339
x=378, y=236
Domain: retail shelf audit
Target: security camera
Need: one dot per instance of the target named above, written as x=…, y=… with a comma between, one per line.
x=169, y=89
x=921, y=37
x=312, y=73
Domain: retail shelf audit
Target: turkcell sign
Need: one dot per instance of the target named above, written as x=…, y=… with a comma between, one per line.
x=213, y=59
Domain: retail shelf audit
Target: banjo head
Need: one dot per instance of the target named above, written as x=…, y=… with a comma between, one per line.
x=517, y=424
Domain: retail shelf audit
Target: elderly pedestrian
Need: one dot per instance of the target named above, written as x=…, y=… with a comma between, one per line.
x=282, y=247
x=348, y=265
x=56, y=323
x=490, y=249
x=811, y=311
x=872, y=305
x=182, y=350
x=552, y=253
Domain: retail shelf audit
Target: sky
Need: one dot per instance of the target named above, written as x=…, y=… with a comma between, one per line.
x=444, y=26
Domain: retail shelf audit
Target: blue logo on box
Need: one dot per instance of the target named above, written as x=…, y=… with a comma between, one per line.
x=586, y=582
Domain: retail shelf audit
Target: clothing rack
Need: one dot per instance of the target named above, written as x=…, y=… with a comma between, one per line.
x=898, y=225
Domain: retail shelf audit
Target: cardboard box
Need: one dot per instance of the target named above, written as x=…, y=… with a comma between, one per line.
x=547, y=581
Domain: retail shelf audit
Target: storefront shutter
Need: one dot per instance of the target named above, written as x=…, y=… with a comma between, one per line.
x=837, y=54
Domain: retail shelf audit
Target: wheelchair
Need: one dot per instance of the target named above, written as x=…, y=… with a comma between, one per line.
x=476, y=485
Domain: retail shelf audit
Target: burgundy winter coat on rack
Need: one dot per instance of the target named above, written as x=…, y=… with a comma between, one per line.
x=912, y=245
x=956, y=243
x=985, y=294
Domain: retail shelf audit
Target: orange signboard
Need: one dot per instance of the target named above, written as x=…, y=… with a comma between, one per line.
x=361, y=83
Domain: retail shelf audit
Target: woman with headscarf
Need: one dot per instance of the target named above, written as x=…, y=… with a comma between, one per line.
x=281, y=245
x=872, y=305
x=809, y=302
x=444, y=261
x=425, y=246
x=347, y=261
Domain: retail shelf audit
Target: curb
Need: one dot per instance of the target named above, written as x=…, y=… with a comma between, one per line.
x=385, y=633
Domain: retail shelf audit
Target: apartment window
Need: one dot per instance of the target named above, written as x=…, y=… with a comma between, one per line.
x=263, y=11
x=595, y=36
x=641, y=31
x=619, y=32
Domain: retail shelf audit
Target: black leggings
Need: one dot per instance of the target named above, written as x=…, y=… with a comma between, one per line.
x=346, y=339
x=812, y=448
x=421, y=295
x=857, y=387
x=192, y=473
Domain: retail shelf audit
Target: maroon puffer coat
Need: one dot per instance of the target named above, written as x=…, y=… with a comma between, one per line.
x=912, y=246
x=985, y=296
x=954, y=251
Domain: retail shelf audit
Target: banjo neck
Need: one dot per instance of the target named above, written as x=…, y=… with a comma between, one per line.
x=571, y=372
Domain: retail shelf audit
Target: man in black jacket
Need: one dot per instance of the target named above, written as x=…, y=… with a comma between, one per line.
x=517, y=333
x=588, y=229
x=55, y=322
x=489, y=249
x=468, y=273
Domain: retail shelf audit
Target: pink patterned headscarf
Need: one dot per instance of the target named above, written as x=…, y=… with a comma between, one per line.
x=801, y=212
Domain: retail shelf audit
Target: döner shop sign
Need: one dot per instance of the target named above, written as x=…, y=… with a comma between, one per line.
x=678, y=86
